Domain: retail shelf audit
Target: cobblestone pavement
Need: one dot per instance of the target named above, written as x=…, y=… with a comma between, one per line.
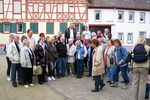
x=38, y=92
x=80, y=89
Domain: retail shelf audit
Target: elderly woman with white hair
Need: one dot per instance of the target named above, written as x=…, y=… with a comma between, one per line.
x=93, y=35
x=27, y=62
x=71, y=49
x=140, y=69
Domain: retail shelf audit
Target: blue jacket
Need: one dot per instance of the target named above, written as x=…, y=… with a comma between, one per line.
x=81, y=51
x=121, y=54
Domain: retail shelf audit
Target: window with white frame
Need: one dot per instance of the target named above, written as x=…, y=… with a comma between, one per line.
x=142, y=34
x=17, y=7
x=6, y=27
x=1, y=6
x=131, y=16
x=59, y=7
x=120, y=15
x=130, y=38
x=47, y=8
x=36, y=8
x=142, y=17
x=121, y=37
x=71, y=8
x=19, y=27
x=97, y=14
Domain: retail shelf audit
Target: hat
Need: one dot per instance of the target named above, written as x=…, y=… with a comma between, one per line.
x=52, y=38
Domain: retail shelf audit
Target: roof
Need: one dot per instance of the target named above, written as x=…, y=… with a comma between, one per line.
x=122, y=4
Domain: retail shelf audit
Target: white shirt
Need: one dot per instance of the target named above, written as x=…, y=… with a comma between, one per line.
x=71, y=34
x=32, y=43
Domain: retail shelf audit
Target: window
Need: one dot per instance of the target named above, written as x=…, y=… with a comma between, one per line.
x=142, y=17
x=142, y=34
x=6, y=27
x=131, y=16
x=47, y=8
x=34, y=27
x=50, y=27
x=59, y=8
x=97, y=15
x=19, y=27
x=121, y=37
x=36, y=8
x=120, y=15
x=17, y=7
x=71, y=8
x=1, y=6
x=130, y=38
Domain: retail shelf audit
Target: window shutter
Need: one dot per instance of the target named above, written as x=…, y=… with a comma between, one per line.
x=50, y=28
x=13, y=28
x=1, y=27
x=34, y=27
x=81, y=27
x=63, y=27
x=24, y=27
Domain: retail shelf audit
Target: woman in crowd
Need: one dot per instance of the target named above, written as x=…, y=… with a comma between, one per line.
x=27, y=62
x=71, y=49
x=109, y=60
x=52, y=58
x=11, y=38
x=121, y=55
x=22, y=38
x=98, y=65
x=79, y=58
x=41, y=58
x=140, y=70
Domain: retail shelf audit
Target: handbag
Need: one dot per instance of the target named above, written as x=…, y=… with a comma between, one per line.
x=38, y=70
x=111, y=61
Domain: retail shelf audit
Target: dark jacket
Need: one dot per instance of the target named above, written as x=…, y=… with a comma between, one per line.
x=62, y=49
x=91, y=51
x=41, y=55
x=52, y=52
x=109, y=36
x=67, y=34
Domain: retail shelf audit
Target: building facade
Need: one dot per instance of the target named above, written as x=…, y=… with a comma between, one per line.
x=127, y=20
x=47, y=16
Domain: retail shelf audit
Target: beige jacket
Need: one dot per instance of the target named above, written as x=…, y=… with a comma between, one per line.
x=144, y=64
x=110, y=54
x=98, y=63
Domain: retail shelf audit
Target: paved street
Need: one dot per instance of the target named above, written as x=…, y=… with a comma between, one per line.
x=68, y=88
x=38, y=92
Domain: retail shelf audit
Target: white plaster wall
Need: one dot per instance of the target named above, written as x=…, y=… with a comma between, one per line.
x=110, y=16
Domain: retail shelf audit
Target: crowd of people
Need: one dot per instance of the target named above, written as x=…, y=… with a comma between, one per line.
x=74, y=53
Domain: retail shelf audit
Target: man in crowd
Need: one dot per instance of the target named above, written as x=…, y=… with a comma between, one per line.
x=31, y=40
x=62, y=54
x=14, y=56
x=70, y=33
